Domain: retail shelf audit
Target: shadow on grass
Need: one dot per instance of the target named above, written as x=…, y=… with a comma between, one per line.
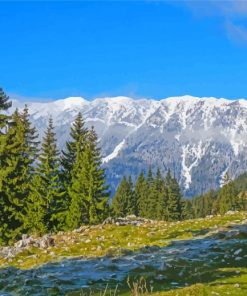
x=182, y=263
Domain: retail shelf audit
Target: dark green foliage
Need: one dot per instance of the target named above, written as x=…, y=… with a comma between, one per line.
x=174, y=198
x=121, y=200
x=227, y=198
x=149, y=198
x=232, y=196
x=204, y=205
x=78, y=136
x=187, y=209
x=140, y=191
x=47, y=195
x=5, y=104
x=15, y=180
x=242, y=201
x=87, y=192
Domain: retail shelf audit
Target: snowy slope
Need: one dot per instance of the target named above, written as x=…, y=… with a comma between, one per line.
x=198, y=138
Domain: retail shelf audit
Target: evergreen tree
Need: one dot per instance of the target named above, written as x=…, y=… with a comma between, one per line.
x=47, y=195
x=5, y=104
x=187, y=210
x=88, y=192
x=162, y=197
x=156, y=196
x=121, y=200
x=174, y=205
x=30, y=150
x=141, y=194
x=242, y=201
x=227, y=198
x=150, y=178
x=15, y=178
x=78, y=137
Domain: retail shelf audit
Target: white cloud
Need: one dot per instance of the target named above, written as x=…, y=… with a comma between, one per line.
x=232, y=12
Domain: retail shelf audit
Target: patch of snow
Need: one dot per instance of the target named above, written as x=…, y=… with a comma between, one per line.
x=195, y=153
x=115, y=152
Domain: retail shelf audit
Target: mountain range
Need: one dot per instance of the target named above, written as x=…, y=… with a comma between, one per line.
x=198, y=139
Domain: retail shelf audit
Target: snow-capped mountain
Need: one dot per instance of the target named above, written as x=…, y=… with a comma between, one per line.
x=199, y=139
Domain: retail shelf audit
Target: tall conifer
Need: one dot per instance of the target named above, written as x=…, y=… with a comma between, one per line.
x=47, y=194
x=88, y=192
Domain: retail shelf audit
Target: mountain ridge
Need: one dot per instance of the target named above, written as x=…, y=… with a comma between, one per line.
x=185, y=134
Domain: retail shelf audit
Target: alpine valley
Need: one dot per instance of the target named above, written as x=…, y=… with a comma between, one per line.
x=199, y=139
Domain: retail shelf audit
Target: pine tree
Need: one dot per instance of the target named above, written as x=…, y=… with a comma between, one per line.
x=141, y=193
x=5, y=104
x=174, y=206
x=162, y=197
x=15, y=178
x=242, y=201
x=121, y=199
x=88, y=192
x=78, y=136
x=31, y=138
x=187, y=210
x=150, y=177
x=47, y=195
x=227, y=198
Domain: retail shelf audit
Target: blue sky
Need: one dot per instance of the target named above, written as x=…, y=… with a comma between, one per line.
x=155, y=49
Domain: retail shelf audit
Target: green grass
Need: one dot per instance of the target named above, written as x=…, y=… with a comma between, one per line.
x=97, y=241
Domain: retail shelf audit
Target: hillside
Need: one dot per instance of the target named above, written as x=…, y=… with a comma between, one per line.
x=199, y=139
x=195, y=257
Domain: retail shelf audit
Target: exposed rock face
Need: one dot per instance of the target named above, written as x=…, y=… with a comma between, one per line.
x=199, y=139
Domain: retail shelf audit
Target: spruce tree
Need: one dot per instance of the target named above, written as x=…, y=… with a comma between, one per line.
x=5, y=104
x=162, y=197
x=121, y=199
x=88, y=192
x=15, y=178
x=187, y=210
x=47, y=195
x=78, y=136
x=227, y=198
x=242, y=201
x=31, y=138
x=141, y=193
x=174, y=205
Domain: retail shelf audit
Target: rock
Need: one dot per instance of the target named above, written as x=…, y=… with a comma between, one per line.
x=238, y=258
x=128, y=220
x=231, y=212
x=237, y=252
x=160, y=277
x=46, y=242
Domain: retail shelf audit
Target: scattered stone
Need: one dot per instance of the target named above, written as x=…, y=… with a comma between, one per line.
x=238, y=258
x=237, y=252
x=128, y=220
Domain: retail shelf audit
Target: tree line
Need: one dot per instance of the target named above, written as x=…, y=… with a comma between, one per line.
x=231, y=197
x=152, y=197
x=40, y=190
